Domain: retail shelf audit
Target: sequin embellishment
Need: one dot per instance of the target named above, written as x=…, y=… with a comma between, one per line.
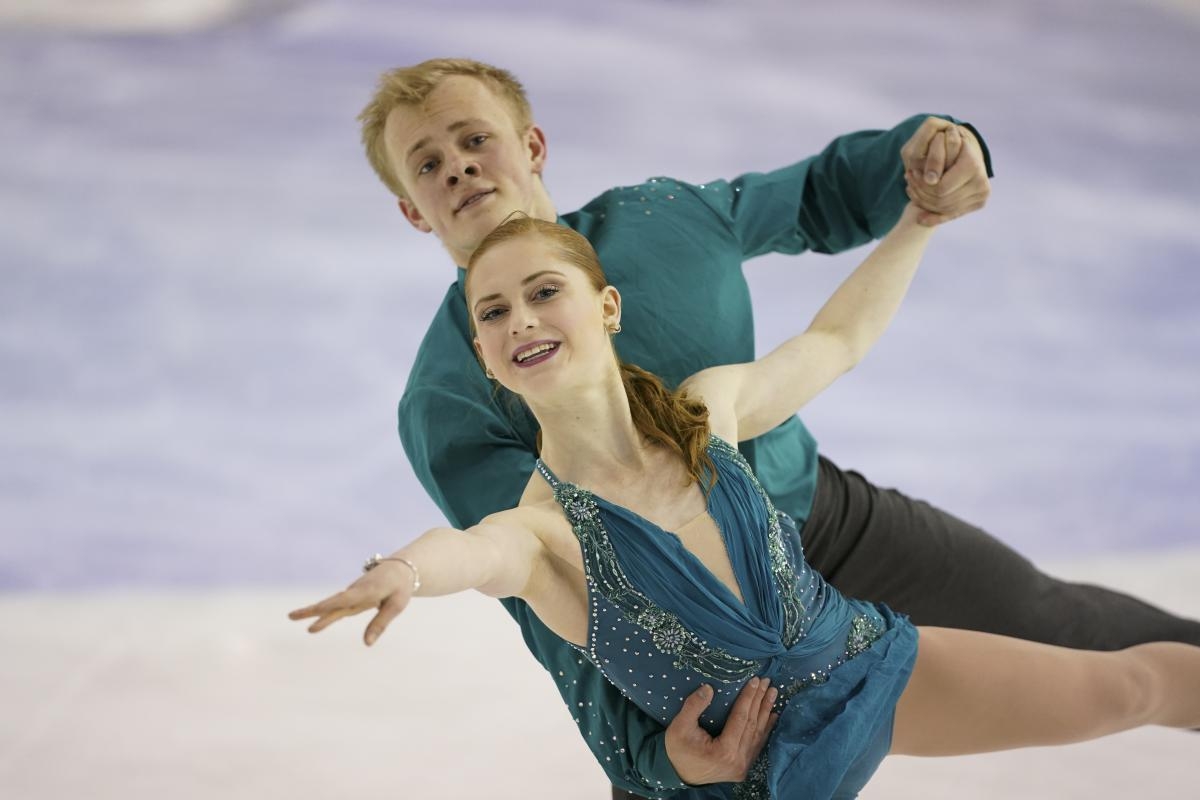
x=605, y=575
x=781, y=565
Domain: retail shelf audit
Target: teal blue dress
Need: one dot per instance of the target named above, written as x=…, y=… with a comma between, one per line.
x=661, y=624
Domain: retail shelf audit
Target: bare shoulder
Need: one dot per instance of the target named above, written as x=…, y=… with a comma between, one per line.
x=529, y=509
x=540, y=513
x=716, y=387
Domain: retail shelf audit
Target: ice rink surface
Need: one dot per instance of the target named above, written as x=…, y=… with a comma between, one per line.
x=209, y=304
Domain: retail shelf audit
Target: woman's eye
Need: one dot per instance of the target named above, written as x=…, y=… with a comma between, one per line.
x=490, y=314
x=426, y=167
x=477, y=139
x=545, y=292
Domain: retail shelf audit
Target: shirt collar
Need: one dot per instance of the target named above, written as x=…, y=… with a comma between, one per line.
x=462, y=271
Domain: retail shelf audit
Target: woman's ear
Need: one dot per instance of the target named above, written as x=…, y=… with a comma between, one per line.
x=610, y=305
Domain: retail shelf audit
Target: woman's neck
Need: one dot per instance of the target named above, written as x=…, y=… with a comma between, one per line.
x=590, y=436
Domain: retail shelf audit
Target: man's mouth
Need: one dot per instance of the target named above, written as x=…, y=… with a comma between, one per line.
x=472, y=199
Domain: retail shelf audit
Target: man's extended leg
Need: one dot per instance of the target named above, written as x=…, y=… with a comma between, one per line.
x=878, y=544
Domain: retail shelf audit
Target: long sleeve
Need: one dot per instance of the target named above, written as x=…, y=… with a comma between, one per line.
x=855, y=187
x=846, y=195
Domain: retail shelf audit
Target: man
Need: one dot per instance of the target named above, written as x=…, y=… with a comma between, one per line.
x=455, y=142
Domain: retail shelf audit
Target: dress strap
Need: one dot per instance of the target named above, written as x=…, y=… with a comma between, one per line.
x=545, y=472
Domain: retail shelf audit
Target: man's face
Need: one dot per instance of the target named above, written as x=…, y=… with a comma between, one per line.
x=463, y=163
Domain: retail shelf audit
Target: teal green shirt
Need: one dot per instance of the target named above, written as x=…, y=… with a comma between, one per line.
x=675, y=251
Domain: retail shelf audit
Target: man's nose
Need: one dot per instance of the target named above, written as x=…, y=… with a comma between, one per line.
x=461, y=168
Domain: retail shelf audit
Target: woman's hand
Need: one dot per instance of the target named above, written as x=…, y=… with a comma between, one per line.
x=387, y=587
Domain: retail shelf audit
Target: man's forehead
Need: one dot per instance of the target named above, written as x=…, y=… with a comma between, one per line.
x=456, y=100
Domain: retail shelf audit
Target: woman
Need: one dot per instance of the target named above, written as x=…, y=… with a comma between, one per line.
x=643, y=539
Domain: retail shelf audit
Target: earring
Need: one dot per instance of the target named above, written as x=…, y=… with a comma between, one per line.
x=491, y=375
x=615, y=328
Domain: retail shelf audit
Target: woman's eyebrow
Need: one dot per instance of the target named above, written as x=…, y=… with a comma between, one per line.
x=525, y=282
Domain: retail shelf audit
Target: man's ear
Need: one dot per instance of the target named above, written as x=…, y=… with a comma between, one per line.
x=410, y=212
x=535, y=144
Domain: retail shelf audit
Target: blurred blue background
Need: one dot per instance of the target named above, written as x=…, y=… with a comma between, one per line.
x=208, y=303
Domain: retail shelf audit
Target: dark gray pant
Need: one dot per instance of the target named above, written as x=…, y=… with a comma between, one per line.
x=877, y=544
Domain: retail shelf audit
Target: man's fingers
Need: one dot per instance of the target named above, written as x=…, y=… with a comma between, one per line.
x=954, y=144
x=935, y=159
x=929, y=198
x=763, y=714
x=960, y=175
x=930, y=219
x=739, y=718
x=390, y=609
x=747, y=706
x=915, y=150
x=693, y=707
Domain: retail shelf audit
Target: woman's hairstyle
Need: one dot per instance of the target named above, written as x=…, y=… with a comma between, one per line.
x=410, y=86
x=668, y=417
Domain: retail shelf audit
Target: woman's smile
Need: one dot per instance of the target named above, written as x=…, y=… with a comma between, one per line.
x=535, y=353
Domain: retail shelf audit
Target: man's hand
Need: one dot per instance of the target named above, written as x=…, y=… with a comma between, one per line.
x=698, y=757
x=944, y=171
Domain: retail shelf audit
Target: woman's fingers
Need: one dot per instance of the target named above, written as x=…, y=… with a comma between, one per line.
x=331, y=617
x=333, y=608
x=390, y=609
x=315, y=610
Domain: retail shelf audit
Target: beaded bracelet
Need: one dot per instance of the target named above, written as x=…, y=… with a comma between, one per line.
x=377, y=559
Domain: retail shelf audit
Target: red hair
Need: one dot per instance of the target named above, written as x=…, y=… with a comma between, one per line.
x=667, y=417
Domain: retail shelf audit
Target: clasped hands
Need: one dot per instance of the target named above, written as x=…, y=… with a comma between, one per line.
x=945, y=174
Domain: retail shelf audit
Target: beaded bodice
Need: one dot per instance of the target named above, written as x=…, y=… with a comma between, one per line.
x=661, y=624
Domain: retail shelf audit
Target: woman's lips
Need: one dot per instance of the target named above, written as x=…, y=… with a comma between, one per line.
x=538, y=359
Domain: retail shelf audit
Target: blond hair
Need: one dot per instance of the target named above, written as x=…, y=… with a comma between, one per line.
x=410, y=86
x=667, y=417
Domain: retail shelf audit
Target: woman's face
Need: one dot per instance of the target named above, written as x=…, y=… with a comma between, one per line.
x=540, y=326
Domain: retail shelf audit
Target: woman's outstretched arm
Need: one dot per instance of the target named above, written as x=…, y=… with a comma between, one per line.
x=495, y=558
x=753, y=398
